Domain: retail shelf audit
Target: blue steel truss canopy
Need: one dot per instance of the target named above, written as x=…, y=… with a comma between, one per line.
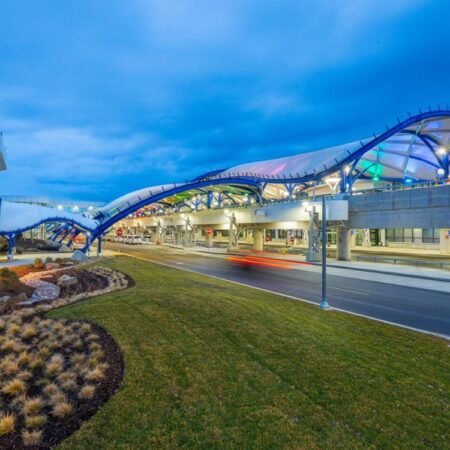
x=414, y=150
x=18, y=217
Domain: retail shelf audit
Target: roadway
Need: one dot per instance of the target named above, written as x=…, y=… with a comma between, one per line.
x=424, y=309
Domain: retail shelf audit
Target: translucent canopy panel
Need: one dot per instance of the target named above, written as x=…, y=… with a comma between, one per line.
x=297, y=166
x=16, y=217
x=413, y=152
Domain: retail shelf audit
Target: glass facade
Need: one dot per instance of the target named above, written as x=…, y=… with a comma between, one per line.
x=413, y=235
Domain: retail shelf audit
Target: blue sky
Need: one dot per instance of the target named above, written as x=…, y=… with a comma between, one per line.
x=98, y=98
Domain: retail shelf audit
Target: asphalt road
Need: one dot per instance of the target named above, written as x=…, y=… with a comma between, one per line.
x=419, y=308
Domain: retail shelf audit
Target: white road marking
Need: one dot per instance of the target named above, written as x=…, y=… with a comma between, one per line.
x=349, y=290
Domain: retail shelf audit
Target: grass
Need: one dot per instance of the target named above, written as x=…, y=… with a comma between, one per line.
x=213, y=365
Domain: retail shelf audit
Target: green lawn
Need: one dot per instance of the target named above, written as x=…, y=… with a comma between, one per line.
x=213, y=365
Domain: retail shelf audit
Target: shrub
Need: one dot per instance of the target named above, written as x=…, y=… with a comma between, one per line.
x=7, y=424
x=14, y=387
x=58, y=261
x=30, y=438
x=49, y=259
x=86, y=392
x=62, y=409
x=35, y=421
x=9, y=279
x=38, y=263
x=32, y=406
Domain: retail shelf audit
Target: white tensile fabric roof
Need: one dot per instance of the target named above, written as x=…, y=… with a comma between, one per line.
x=402, y=155
x=21, y=216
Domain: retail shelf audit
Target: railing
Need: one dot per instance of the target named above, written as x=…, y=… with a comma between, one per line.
x=443, y=265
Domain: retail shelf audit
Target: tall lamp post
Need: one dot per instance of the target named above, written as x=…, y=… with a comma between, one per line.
x=323, y=303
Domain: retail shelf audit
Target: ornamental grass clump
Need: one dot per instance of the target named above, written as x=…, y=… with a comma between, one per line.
x=32, y=406
x=35, y=421
x=49, y=369
x=28, y=331
x=87, y=392
x=14, y=387
x=31, y=438
x=7, y=424
x=62, y=409
x=55, y=366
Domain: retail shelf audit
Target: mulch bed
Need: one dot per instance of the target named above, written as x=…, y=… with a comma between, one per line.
x=88, y=282
x=54, y=431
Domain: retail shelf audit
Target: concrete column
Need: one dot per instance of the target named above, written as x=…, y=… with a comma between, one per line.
x=343, y=242
x=383, y=237
x=352, y=238
x=258, y=240
x=366, y=238
x=209, y=240
x=444, y=241
x=154, y=235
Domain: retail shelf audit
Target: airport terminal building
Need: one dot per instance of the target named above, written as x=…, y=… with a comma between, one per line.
x=388, y=191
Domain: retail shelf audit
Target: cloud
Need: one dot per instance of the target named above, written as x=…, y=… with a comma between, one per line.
x=109, y=97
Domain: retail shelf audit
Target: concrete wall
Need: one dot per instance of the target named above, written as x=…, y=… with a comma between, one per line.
x=412, y=208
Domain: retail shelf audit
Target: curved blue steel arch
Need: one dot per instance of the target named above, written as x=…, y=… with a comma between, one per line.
x=48, y=220
x=356, y=154
x=255, y=180
x=164, y=194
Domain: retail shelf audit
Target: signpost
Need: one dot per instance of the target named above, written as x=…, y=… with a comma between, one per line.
x=119, y=232
x=208, y=231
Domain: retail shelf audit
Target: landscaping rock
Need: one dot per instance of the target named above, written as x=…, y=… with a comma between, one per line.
x=66, y=281
x=51, y=266
x=79, y=256
x=20, y=298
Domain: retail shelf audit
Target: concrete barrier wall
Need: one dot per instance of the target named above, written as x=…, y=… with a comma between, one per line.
x=412, y=208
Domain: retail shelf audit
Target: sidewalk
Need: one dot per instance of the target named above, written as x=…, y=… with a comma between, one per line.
x=28, y=258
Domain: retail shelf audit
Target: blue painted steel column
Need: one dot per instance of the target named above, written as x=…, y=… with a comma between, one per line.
x=11, y=238
x=209, y=199
x=74, y=234
x=99, y=245
x=57, y=232
x=64, y=236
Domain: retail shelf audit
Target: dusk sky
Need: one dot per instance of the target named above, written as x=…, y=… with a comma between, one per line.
x=101, y=97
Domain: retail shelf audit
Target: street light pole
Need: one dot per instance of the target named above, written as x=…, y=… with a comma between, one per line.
x=323, y=303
